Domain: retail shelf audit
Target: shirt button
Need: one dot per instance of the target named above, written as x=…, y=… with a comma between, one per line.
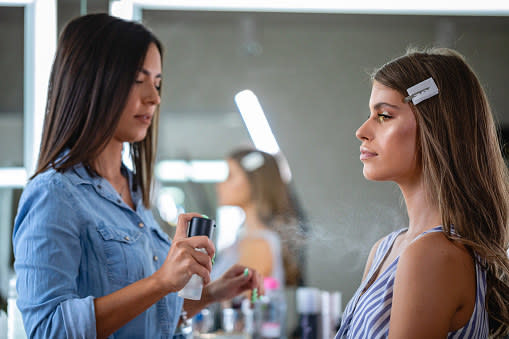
x=119, y=201
x=141, y=225
x=156, y=258
x=99, y=187
x=127, y=238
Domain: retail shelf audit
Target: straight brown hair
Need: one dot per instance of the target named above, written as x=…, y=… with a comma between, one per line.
x=274, y=207
x=462, y=163
x=97, y=60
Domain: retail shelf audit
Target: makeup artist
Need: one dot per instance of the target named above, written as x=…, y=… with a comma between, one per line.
x=90, y=259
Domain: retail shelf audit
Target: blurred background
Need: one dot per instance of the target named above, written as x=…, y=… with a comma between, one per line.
x=310, y=72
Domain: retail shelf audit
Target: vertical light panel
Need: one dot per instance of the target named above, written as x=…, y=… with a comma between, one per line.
x=256, y=122
x=40, y=46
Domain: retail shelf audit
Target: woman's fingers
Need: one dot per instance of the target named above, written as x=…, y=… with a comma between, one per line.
x=184, y=259
x=236, y=270
x=187, y=254
x=202, y=259
x=202, y=242
x=201, y=271
x=182, y=224
x=257, y=282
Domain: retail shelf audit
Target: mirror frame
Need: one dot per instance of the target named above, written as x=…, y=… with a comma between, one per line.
x=40, y=39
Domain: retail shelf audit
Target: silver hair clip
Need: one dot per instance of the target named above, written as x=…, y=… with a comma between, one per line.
x=422, y=91
x=252, y=161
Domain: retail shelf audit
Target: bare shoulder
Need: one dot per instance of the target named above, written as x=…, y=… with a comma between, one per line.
x=257, y=254
x=436, y=252
x=433, y=284
x=257, y=245
x=444, y=264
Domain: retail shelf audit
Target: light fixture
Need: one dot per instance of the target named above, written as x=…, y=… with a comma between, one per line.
x=122, y=9
x=256, y=122
x=197, y=171
x=40, y=35
x=40, y=47
x=14, y=3
x=15, y=177
x=260, y=131
x=131, y=9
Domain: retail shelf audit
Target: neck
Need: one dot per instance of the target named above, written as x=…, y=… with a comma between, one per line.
x=423, y=213
x=253, y=221
x=109, y=162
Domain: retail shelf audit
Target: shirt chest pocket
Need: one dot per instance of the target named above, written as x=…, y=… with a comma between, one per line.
x=122, y=253
x=160, y=243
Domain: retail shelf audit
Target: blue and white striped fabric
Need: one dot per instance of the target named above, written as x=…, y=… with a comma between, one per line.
x=368, y=315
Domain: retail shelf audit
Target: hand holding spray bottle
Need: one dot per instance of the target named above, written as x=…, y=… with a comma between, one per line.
x=197, y=226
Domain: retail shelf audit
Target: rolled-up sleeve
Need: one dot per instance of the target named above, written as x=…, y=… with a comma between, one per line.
x=47, y=248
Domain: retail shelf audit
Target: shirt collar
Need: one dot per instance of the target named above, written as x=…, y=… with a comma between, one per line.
x=79, y=175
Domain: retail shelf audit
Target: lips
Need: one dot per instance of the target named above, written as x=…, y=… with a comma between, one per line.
x=367, y=154
x=144, y=118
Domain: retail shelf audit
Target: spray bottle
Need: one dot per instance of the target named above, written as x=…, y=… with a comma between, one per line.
x=308, y=308
x=197, y=226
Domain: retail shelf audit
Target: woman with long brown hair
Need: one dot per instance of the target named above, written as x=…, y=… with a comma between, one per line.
x=432, y=132
x=90, y=259
x=266, y=241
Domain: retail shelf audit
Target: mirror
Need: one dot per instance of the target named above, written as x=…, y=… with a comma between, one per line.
x=311, y=75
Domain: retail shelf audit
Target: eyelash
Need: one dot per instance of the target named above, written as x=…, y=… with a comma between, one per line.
x=158, y=88
x=383, y=116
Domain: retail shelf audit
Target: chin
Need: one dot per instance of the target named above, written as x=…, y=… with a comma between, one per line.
x=138, y=138
x=372, y=175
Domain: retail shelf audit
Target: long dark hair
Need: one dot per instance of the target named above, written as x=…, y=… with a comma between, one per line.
x=96, y=63
x=462, y=163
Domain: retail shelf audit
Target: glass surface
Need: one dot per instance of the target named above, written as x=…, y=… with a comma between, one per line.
x=11, y=86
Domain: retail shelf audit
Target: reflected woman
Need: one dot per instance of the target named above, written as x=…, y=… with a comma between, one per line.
x=254, y=184
x=431, y=131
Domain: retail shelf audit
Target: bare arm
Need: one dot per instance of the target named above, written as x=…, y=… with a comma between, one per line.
x=428, y=289
x=115, y=310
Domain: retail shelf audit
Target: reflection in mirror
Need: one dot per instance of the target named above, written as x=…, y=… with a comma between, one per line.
x=310, y=72
x=11, y=86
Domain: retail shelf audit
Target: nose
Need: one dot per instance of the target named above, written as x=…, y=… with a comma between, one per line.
x=152, y=96
x=363, y=132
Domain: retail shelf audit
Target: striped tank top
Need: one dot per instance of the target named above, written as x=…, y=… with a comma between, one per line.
x=368, y=315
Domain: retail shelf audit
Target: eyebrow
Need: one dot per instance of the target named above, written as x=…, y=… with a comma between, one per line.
x=382, y=104
x=144, y=71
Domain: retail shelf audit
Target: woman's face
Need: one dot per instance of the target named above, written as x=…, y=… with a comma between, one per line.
x=142, y=101
x=235, y=190
x=388, y=149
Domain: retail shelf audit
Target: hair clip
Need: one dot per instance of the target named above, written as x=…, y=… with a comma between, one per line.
x=252, y=161
x=422, y=91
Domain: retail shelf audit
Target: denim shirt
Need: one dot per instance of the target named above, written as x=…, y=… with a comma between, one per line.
x=75, y=240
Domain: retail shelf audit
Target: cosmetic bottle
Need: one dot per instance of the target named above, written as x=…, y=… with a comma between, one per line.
x=197, y=226
x=308, y=309
x=270, y=311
